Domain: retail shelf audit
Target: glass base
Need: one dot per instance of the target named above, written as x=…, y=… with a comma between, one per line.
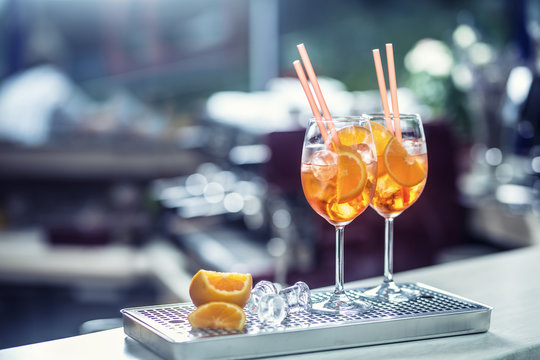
x=340, y=304
x=390, y=291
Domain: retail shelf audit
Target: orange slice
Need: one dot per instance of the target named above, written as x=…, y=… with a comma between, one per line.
x=339, y=212
x=207, y=286
x=353, y=135
x=218, y=315
x=351, y=175
x=401, y=166
x=381, y=137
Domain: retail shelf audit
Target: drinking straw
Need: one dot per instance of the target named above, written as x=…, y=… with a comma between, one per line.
x=382, y=89
x=395, y=109
x=318, y=93
x=316, y=113
x=393, y=89
x=313, y=78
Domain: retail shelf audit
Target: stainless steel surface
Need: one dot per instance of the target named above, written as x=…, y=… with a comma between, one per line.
x=165, y=329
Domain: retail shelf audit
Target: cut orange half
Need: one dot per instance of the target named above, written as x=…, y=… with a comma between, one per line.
x=351, y=175
x=401, y=166
x=207, y=286
x=218, y=315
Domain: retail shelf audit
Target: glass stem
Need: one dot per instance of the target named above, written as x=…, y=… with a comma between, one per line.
x=339, y=260
x=388, y=250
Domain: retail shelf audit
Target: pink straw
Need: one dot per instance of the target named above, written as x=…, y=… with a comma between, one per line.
x=315, y=84
x=393, y=89
x=382, y=89
x=311, y=100
x=313, y=78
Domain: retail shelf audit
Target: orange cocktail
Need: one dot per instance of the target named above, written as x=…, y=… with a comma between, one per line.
x=402, y=168
x=338, y=184
x=339, y=174
x=402, y=171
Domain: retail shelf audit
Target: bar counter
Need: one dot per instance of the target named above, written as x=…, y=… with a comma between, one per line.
x=506, y=281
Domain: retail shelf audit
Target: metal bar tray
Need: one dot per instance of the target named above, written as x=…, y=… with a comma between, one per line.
x=165, y=329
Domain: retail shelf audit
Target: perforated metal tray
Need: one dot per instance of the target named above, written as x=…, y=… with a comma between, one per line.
x=165, y=329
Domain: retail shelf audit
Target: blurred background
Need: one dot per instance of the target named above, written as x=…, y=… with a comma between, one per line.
x=142, y=140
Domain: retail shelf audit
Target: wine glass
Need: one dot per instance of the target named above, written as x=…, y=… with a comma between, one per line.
x=402, y=174
x=339, y=173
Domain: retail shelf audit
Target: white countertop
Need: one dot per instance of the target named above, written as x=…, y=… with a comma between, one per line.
x=507, y=281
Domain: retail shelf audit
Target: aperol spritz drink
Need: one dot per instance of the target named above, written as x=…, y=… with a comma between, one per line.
x=339, y=175
x=402, y=174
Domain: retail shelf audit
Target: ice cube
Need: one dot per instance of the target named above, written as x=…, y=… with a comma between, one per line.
x=366, y=153
x=414, y=146
x=387, y=187
x=272, y=309
x=297, y=297
x=324, y=164
x=262, y=288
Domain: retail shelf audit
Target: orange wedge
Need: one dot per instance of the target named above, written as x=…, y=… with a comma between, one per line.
x=351, y=175
x=401, y=166
x=218, y=315
x=207, y=286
